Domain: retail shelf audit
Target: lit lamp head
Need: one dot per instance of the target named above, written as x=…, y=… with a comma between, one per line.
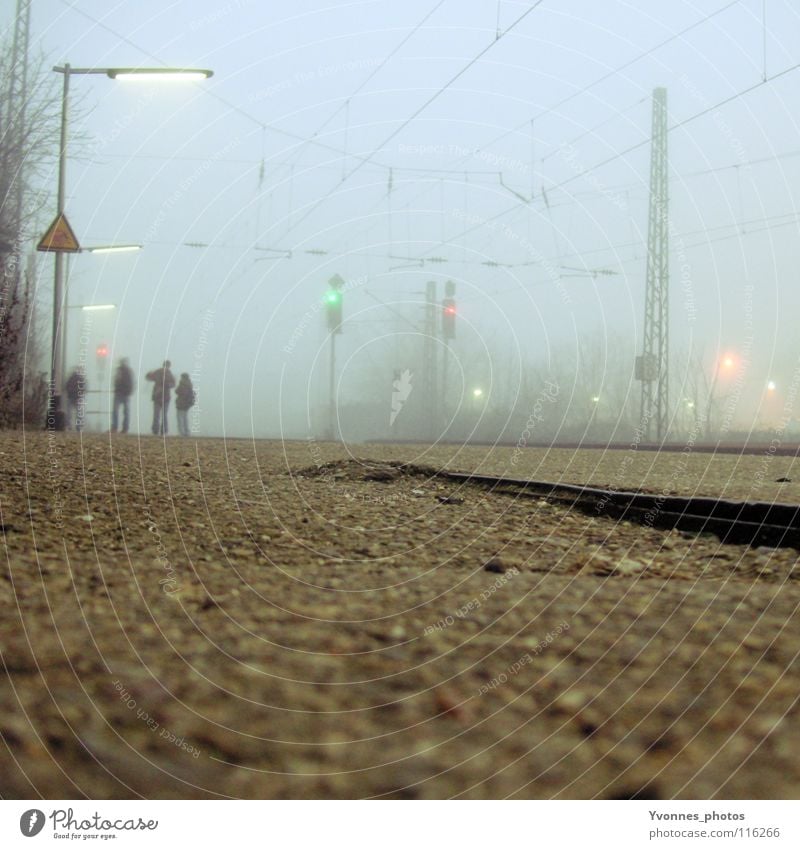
x=159, y=74
x=111, y=249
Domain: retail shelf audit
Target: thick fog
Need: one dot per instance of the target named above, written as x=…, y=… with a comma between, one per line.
x=396, y=144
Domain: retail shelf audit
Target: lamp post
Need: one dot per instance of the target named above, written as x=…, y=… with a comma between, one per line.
x=727, y=362
x=99, y=249
x=83, y=361
x=67, y=71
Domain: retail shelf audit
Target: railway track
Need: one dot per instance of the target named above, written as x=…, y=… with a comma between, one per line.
x=784, y=449
x=751, y=523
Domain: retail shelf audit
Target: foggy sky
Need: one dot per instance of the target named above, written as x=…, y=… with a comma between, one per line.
x=222, y=163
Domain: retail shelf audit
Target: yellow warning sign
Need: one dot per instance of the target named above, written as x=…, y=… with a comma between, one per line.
x=59, y=237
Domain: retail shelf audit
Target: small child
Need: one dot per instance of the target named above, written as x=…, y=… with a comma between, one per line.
x=184, y=401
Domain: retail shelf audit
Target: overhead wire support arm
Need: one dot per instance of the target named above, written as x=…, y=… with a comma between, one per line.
x=594, y=273
x=513, y=191
x=417, y=112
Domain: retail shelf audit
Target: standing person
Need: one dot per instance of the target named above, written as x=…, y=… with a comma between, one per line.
x=124, y=385
x=184, y=401
x=76, y=398
x=163, y=381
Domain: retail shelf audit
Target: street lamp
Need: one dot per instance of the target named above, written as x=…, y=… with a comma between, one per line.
x=93, y=307
x=160, y=74
x=727, y=362
x=112, y=249
x=98, y=249
x=66, y=70
x=84, y=308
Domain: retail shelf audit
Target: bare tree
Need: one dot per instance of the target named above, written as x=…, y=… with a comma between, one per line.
x=28, y=147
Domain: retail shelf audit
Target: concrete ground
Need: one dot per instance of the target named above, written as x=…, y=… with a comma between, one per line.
x=282, y=620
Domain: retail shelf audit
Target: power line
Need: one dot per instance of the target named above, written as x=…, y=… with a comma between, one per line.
x=583, y=90
x=416, y=113
x=371, y=76
x=794, y=221
x=383, y=64
x=677, y=126
x=594, y=129
x=615, y=188
x=207, y=91
x=612, y=73
x=771, y=221
x=622, y=153
x=285, y=164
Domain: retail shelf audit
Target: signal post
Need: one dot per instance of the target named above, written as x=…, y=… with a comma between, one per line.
x=333, y=311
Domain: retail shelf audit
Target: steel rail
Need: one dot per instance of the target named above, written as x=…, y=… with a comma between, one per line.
x=752, y=523
x=784, y=449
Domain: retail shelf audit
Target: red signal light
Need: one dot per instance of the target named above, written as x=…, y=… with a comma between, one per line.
x=102, y=350
x=448, y=318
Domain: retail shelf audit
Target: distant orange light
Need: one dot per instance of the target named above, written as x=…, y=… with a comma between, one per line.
x=728, y=362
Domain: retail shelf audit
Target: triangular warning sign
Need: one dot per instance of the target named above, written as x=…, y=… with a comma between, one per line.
x=59, y=237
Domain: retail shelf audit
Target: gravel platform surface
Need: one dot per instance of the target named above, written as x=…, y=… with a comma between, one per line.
x=212, y=619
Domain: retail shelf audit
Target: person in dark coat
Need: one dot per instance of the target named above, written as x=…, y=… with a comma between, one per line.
x=184, y=401
x=76, y=398
x=124, y=384
x=163, y=381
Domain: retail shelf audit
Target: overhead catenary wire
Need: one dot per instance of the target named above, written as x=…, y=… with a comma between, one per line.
x=469, y=176
x=364, y=160
x=679, y=124
x=610, y=74
x=214, y=95
x=346, y=103
x=367, y=160
x=594, y=129
x=771, y=222
x=305, y=140
x=385, y=61
x=620, y=154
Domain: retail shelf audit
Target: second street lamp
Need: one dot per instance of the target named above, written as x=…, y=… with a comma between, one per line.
x=64, y=323
x=67, y=71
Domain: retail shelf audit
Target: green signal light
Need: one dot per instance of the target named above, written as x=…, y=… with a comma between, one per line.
x=333, y=297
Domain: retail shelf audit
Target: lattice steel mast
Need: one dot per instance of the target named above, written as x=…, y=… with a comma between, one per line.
x=653, y=365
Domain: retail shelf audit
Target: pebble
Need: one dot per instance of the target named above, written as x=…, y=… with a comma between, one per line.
x=350, y=657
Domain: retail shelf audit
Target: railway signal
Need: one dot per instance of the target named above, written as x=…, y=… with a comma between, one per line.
x=449, y=311
x=333, y=304
x=449, y=318
x=333, y=310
